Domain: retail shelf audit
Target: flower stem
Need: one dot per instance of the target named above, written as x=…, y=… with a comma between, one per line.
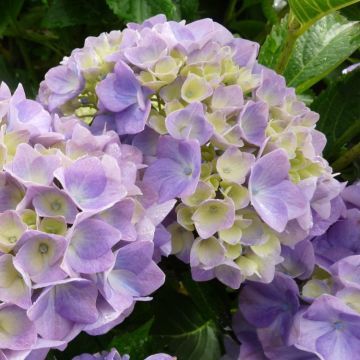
x=347, y=158
x=294, y=31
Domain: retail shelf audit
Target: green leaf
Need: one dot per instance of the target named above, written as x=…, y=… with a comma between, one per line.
x=269, y=11
x=320, y=50
x=64, y=13
x=274, y=44
x=189, y=9
x=309, y=11
x=135, y=342
x=181, y=330
x=211, y=297
x=248, y=29
x=339, y=109
x=9, y=10
x=140, y=10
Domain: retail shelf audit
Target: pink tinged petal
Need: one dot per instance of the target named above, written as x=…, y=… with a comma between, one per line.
x=151, y=49
x=189, y=123
x=31, y=116
x=46, y=252
x=206, y=29
x=15, y=286
x=30, y=167
x=16, y=331
x=214, y=215
x=11, y=192
x=207, y=252
x=253, y=121
x=52, y=202
x=234, y=165
x=227, y=98
x=273, y=88
x=246, y=52
x=274, y=197
x=120, y=217
x=86, y=254
x=62, y=80
x=93, y=184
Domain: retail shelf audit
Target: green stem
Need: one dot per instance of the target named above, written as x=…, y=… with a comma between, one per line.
x=230, y=11
x=347, y=158
x=349, y=134
x=292, y=35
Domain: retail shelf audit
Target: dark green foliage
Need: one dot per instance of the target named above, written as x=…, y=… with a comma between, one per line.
x=308, y=46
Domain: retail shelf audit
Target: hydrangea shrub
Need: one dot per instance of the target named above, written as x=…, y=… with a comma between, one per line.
x=195, y=100
x=170, y=138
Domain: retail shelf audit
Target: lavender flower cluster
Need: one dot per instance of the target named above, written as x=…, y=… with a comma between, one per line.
x=170, y=138
x=76, y=229
x=322, y=320
x=220, y=132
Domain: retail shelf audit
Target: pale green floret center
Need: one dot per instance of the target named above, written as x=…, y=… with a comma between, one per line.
x=213, y=209
x=189, y=94
x=55, y=205
x=12, y=239
x=188, y=171
x=43, y=248
x=226, y=170
x=338, y=325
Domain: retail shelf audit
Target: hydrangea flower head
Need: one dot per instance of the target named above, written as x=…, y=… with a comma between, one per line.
x=220, y=132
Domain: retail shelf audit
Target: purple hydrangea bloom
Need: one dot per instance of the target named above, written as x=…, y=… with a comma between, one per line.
x=214, y=125
x=329, y=328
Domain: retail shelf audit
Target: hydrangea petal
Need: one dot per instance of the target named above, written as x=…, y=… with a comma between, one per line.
x=17, y=332
x=212, y=216
x=93, y=184
x=86, y=254
x=189, y=123
x=234, y=165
